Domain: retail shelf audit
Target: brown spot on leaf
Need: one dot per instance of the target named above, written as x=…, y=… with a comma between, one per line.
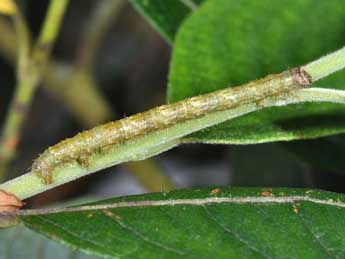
x=215, y=191
x=267, y=193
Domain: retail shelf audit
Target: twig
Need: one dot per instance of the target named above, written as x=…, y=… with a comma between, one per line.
x=57, y=74
x=150, y=175
x=79, y=78
x=30, y=184
x=146, y=172
x=29, y=74
x=8, y=42
x=159, y=141
x=326, y=65
x=106, y=12
x=49, y=32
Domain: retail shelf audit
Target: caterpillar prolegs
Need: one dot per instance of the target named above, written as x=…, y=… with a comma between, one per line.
x=80, y=147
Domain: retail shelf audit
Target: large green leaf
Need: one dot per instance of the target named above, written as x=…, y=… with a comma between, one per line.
x=165, y=15
x=218, y=223
x=228, y=42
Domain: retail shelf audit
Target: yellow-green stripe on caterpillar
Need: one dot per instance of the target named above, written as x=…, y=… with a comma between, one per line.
x=83, y=145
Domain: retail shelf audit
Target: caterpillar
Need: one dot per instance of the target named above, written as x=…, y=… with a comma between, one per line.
x=80, y=147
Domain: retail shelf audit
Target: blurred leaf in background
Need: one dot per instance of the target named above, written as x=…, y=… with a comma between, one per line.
x=166, y=16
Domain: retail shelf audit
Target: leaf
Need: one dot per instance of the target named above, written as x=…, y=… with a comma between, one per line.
x=228, y=42
x=165, y=16
x=22, y=243
x=206, y=223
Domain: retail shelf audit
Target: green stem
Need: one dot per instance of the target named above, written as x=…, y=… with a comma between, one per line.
x=326, y=65
x=23, y=42
x=8, y=42
x=147, y=172
x=150, y=175
x=157, y=142
x=106, y=12
x=30, y=184
x=29, y=73
x=17, y=110
x=49, y=32
x=75, y=81
x=79, y=78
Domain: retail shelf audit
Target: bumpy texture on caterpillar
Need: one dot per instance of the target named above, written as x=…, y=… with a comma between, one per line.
x=80, y=147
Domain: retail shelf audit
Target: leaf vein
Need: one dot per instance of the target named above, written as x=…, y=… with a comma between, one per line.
x=145, y=238
x=171, y=202
x=317, y=239
x=77, y=236
x=234, y=234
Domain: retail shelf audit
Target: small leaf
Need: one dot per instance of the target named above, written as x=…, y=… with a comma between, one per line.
x=166, y=16
x=228, y=42
x=207, y=223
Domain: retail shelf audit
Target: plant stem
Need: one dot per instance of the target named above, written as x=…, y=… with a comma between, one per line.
x=68, y=88
x=49, y=32
x=30, y=184
x=326, y=65
x=79, y=78
x=29, y=75
x=8, y=42
x=106, y=12
x=58, y=74
x=147, y=172
x=23, y=42
x=159, y=141
x=150, y=175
